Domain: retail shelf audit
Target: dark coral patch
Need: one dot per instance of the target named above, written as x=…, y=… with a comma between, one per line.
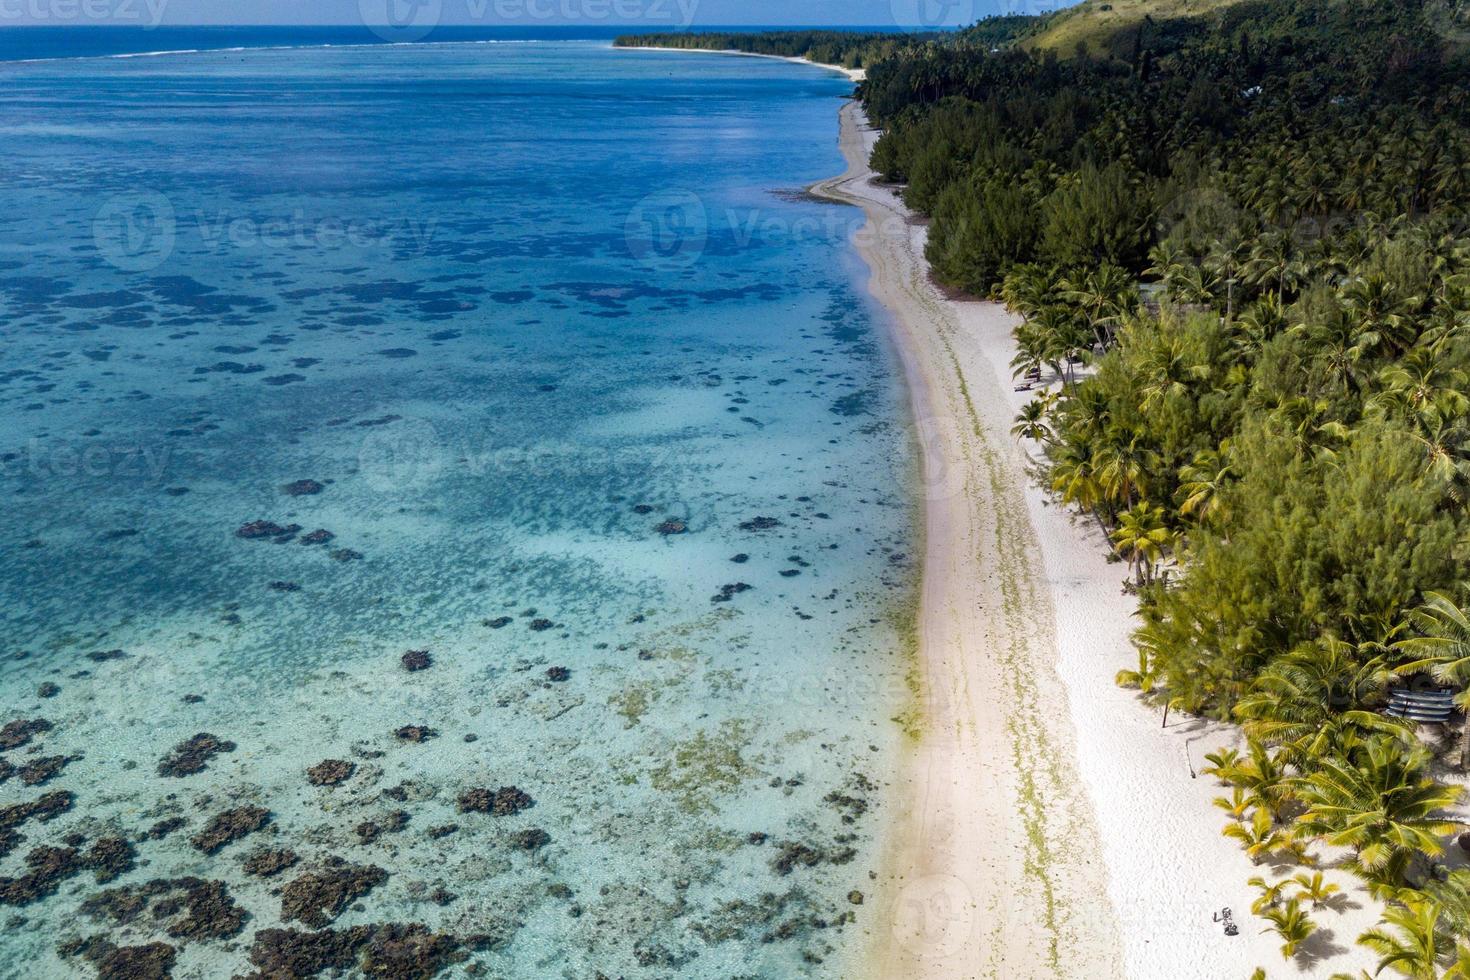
x=47, y=868
x=303, y=488
x=192, y=755
x=267, y=863
x=229, y=826
x=43, y=808
x=505, y=801
x=195, y=908
x=330, y=772
x=155, y=961
x=317, y=897
x=19, y=733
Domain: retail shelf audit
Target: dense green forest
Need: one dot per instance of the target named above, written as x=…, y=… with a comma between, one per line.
x=850, y=49
x=1241, y=247
x=1238, y=244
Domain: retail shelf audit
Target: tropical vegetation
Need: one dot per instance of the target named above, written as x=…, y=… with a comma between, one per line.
x=1237, y=246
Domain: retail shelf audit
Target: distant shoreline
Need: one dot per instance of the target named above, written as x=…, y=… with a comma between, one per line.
x=853, y=74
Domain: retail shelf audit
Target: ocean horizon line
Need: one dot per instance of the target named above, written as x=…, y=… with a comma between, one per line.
x=42, y=43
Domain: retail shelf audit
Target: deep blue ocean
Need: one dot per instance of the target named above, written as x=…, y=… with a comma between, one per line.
x=531, y=357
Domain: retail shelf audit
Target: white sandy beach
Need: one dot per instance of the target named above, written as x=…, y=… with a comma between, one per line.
x=1053, y=829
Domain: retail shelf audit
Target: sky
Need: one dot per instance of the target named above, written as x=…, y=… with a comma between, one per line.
x=661, y=14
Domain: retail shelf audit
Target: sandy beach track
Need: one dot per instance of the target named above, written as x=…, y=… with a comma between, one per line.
x=994, y=866
x=1048, y=825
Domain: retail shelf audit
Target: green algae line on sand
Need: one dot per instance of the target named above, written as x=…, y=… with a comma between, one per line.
x=988, y=873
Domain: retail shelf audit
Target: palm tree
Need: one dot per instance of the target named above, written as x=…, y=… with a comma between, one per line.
x=1381, y=804
x=1446, y=459
x=1031, y=423
x=1124, y=462
x=1146, y=680
x=1292, y=924
x=1221, y=761
x=1443, y=650
x=1168, y=373
x=1237, y=804
x=1074, y=475
x=1263, y=775
x=1270, y=896
x=1460, y=968
x=1409, y=940
x=1258, y=325
x=1315, y=888
x=1273, y=263
x=1259, y=836
x=1384, y=315
x=1104, y=295
x=1202, y=481
x=1141, y=538
x=1027, y=288
x=1320, y=699
x=1424, y=386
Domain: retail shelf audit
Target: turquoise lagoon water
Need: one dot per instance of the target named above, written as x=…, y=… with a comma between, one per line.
x=558, y=339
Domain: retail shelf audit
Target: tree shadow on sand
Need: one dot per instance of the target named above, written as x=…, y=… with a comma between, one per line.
x=1319, y=946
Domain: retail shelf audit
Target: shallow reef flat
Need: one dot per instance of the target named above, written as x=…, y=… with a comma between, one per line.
x=479, y=595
